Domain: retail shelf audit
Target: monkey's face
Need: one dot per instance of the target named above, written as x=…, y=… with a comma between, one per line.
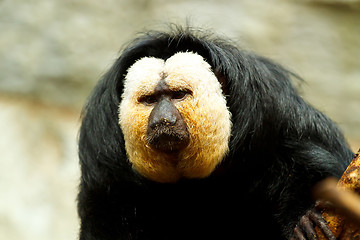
x=174, y=118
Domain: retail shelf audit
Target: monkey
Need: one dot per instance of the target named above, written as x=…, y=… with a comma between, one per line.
x=188, y=136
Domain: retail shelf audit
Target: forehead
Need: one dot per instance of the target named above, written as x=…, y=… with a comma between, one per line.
x=180, y=70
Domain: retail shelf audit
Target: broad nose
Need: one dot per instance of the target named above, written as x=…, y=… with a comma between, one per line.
x=164, y=113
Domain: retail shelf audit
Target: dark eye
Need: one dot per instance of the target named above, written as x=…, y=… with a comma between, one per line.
x=180, y=94
x=147, y=99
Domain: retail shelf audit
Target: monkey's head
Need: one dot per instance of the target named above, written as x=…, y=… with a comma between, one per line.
x=174, y=117
x=160, y=110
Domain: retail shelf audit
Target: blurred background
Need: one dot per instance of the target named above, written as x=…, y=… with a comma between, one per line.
x=53, y=52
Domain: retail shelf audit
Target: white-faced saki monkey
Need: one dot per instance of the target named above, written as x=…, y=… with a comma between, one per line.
x=189, y=137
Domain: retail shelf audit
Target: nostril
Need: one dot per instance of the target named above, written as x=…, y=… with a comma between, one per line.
x=164, y=121
x=153, y=124
x=169, y=120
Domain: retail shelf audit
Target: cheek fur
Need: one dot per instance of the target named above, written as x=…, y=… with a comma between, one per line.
x=133, y=122
x=209, y=126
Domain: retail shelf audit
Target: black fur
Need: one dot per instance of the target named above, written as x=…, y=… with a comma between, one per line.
x=280, y=147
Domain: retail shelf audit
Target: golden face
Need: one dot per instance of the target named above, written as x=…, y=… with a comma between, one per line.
x=203, y=113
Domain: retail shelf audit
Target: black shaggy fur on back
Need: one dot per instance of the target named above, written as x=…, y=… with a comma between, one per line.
x=280, y=146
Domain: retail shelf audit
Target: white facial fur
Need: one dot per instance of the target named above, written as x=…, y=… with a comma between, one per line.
x=205, y=113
